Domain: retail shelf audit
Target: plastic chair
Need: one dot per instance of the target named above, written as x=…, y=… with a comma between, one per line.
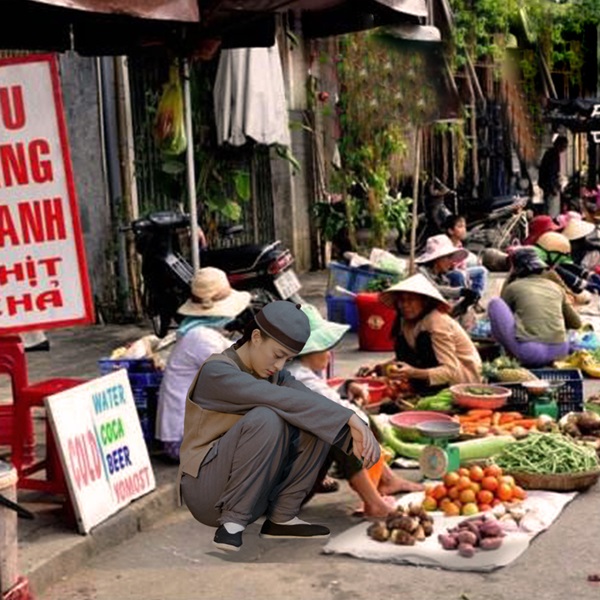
x=25, y=397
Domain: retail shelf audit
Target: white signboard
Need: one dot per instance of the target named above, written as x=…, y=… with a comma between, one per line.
x=102, y=447
x=43, y=274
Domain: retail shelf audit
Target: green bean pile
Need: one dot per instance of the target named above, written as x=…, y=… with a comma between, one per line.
x=546, y=454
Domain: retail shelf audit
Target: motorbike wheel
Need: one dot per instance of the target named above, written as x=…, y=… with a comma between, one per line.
x=160, y=324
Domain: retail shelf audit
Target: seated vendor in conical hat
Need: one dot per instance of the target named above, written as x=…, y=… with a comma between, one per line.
x=432, y=349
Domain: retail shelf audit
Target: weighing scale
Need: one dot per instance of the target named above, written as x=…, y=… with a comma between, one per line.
x=542, y=397
x=439, y=456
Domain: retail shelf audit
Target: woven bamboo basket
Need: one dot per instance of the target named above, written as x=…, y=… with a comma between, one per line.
x=557, y=482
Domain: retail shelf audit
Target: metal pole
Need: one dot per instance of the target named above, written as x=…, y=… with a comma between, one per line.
x=415, y=206
x=191, y=172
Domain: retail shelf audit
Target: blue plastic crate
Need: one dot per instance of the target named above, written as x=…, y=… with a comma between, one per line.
x=364, y=277
x=146, y=403
x=133, y=365
x=342, y=309
x=342, y=276
x=570, y=395
x=142, y=380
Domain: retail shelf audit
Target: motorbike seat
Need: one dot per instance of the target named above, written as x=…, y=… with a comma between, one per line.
x=501, y=202
x=236, y=258
x=169, y=219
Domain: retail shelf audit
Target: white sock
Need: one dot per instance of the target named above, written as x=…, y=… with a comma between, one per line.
x=294, y=521
x=234, y=527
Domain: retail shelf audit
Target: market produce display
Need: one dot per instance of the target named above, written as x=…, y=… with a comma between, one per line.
x=588, y=362
x=507, y=370
x=405, y=526
x=483, y=422
x=470, y=535
x=472, y=490
x=584, y=426
x=547, y=453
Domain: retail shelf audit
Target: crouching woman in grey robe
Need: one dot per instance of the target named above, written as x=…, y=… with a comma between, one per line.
x=255, y=437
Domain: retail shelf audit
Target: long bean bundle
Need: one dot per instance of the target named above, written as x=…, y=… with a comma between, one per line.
x=547, y=453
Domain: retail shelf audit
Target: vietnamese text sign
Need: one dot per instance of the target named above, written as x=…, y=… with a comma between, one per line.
x=43, y=275
x=102, y=447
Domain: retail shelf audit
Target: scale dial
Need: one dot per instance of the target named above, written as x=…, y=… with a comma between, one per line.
x=433, y=462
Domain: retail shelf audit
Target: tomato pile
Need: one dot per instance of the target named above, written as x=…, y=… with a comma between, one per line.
x=468, y=491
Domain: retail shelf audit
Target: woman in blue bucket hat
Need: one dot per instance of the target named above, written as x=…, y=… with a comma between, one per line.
x=255, y=438
x=309, y=368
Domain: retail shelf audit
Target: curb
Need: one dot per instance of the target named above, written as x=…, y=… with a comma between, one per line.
x=58, y=556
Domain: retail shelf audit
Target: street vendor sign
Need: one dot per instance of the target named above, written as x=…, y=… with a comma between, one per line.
x=101, y=445
x=43, y=273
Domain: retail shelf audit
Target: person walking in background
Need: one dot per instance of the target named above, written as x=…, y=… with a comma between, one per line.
x=549, y=175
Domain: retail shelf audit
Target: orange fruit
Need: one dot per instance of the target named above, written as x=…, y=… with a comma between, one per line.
x=467, y=496
x=439, y=491
x=469, y=509
x=484, y=507
x=519, y=493
x=475, y=486
x=492, y=471
x=463, y=472
x=454, y=492
x=496, y=501
x=463, y=483
x=504, y=492
x=451, y=479
x=489, y=483
x=485, y=497
x=451, y=510
x=429, y=489
x=508, y=479
x=443, y=502
x=476, y=473
x=429, y=504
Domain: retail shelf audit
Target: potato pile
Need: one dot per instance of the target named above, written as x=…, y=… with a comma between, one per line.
x=484, y=533
x=405, y=526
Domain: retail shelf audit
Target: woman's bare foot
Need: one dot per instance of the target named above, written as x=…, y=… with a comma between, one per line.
x=398, y=485
x=378, y=509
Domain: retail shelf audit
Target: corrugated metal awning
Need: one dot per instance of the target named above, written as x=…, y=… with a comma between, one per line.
x=169, y=10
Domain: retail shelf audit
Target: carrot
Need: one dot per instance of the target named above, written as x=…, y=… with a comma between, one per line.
x=510, y=416
x=496, y=418
x=527, y=423
x=480, y=412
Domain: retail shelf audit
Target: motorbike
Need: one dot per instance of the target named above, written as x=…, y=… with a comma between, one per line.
x=265, y=270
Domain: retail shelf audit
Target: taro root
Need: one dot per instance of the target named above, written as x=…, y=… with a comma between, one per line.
x=378, y=531
x=402, y=538
x=419, y=533
x=427, y=527
x=490, y=529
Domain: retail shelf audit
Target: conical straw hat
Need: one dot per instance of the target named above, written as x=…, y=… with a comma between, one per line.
x=416, y=284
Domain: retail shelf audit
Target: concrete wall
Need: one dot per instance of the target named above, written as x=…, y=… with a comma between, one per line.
x=82, y=113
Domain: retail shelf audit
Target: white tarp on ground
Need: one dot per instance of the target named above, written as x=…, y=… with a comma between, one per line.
x=543, y=508
x=249, y=97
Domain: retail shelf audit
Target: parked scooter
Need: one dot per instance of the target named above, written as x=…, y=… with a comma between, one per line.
x=265, y=270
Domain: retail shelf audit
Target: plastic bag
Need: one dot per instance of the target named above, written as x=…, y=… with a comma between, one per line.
x=169, y=125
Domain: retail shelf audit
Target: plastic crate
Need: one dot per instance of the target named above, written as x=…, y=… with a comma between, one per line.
x=142, y=380
x=353, y=279
x=342, y=309
x=133, y=365
x=342, y=276
x=570, y=396
x=364, y=277
x=146, y=403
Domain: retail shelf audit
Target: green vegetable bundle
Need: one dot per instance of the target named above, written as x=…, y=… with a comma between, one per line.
x=548, y=453
x=441, y=401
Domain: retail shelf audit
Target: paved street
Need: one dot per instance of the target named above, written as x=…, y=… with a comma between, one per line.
x=167, y=554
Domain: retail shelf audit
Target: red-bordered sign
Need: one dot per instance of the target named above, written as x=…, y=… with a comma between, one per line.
x=43, y=273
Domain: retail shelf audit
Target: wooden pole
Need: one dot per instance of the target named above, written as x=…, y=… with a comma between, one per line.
x=415, y=206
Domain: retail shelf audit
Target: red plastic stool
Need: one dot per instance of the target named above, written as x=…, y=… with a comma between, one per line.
x=25, y=397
